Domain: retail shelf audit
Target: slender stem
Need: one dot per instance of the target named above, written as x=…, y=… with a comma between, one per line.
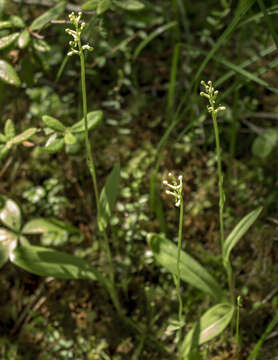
x=220, y=175
x=237, y=325
x=178, y=280
x=91, y=166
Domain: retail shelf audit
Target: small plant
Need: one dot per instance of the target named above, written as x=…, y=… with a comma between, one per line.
x=182, y=266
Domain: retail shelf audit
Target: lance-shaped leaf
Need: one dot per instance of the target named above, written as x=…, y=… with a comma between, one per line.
x=47, y=262
x=103, y=5
x=241, y=228
x=8, y=241
x=24, y=136
x=54, y=145
x=93, y=118
x=108, y=197
x=10, y=213
x=24, y=39
x=17, y=21
x=8, y=40
x=210, y=325
x=8, y=74
x=48, y=16
x=166, y=254
x=53, y=123
x=131, y=5
x=4, y=149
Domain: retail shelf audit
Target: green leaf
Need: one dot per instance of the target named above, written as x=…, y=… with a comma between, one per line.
x=152, y=36
x=17, y=21
x=93, y=118
x=54, y=145
x=8, y=241
x=90, y=5
x=9, y=129
x=108, y=197
x=4, y=150
x=8, y=40
x=24, y=39
x=47, y=262
x=166, y=253
x=69, y=138
x=3, y=138
x=41, y=45
x=5, y=25
x=48, y=16
x=8, y=74
x=265, y=143
x=24, y=136
x=132, y=5
x=241, y=228
x=40, y=226
x=210, y=325
x=53, y=123
x=103, y=6
x=10, y=213
x=2, y=8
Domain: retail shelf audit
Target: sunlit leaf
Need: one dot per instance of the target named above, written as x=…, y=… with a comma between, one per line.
x=41, y=45
x=108, y=197
x=8, y=74
x=69, y=138
x=210, y=325
x=8, y=40
x=53, y=123
x=24, y=136
x=10, y=213
x=132, y=5
x=5, y=24
x=93, y=118
x=24, y=39
x=166, y=252
x=17, y=21
x=241, y=228
x=48, y=16
x=54, y=145
x=8, y=241
x=47, y=262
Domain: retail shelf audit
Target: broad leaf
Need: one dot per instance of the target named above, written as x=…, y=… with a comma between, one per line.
x=26, y=135
x=108, y=197
x=129, y=4
x=241, y=228
x=53, y=123
x=48, y=16
x=166, y=253
x=210, y=325
x=93, y=118
x=8, y=74
x=9, y=129
x=10, y=213
x=47, y=262
x=24, y=39
x=8, y=40
x=90, y=5
x=8, y=241
x=54, y=145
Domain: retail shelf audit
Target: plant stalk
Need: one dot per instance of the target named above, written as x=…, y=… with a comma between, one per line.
x=178, y=279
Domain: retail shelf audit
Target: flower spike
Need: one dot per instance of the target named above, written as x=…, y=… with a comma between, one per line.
x=175, y=188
